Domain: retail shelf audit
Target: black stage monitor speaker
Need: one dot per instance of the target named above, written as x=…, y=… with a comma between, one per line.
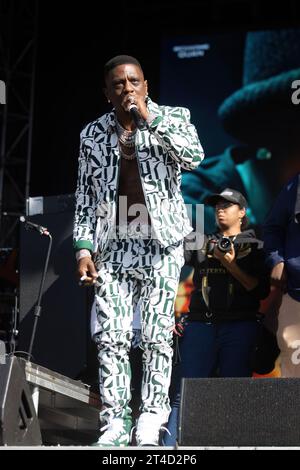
x=62, y=338
x=19, y=425
x=240, y=412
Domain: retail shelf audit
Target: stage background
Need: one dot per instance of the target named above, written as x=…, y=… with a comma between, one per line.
x=200, y=72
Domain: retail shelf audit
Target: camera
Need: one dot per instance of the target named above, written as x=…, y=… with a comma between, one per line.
x=223, y=244
x=241, y=244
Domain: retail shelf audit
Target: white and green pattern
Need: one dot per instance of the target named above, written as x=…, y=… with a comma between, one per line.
x=137, y=268
x=171, y=143
x=134, y=270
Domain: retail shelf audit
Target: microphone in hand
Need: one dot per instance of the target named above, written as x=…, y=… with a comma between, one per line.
x=136, y=116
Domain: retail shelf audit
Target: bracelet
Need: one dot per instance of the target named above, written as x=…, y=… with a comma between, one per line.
x=82, y=254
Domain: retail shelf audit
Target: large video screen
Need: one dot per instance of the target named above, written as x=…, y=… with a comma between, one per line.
x=242, y=91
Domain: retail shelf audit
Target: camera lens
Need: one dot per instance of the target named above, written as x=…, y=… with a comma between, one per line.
x=224, y=244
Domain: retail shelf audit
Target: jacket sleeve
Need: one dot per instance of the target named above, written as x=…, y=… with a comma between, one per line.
x=275, y=227
x=178, y=137
x=85, y=208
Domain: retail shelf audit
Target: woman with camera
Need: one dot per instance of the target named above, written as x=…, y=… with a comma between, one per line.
x=230, y=279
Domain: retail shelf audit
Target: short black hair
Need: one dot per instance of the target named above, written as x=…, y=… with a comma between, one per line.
x=120, y=60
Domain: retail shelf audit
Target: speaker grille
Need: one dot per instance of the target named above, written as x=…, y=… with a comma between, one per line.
x=18, y=421
x=240, y=412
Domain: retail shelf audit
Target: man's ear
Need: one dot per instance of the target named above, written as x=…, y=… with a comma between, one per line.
x=146, y=86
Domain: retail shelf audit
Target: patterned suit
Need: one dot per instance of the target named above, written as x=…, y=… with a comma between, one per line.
x=135, y=267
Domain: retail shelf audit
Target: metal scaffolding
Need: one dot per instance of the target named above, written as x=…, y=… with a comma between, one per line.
x=18, y=46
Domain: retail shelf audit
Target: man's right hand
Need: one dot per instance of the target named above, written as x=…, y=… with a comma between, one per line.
x=86, y=272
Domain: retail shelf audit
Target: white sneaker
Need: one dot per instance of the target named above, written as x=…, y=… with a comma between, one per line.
x=117, y=434
x=148, y=429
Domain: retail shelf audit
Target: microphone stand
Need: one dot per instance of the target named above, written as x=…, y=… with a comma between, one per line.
x=38, y=307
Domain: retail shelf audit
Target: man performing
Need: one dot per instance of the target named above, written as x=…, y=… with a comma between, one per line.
x=130, y=159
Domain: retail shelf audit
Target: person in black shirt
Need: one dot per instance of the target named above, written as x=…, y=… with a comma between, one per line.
x=230, y=279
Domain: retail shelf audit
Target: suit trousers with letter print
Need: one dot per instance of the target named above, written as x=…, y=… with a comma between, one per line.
x=133, y=270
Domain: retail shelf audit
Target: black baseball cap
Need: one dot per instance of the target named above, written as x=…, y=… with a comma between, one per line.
x=228, y=194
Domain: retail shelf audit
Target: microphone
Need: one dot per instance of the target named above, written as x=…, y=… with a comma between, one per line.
x=136, y=116
x=30, y=225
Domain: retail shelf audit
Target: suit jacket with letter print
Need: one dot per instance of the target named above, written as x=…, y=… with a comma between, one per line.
x=170, y=142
